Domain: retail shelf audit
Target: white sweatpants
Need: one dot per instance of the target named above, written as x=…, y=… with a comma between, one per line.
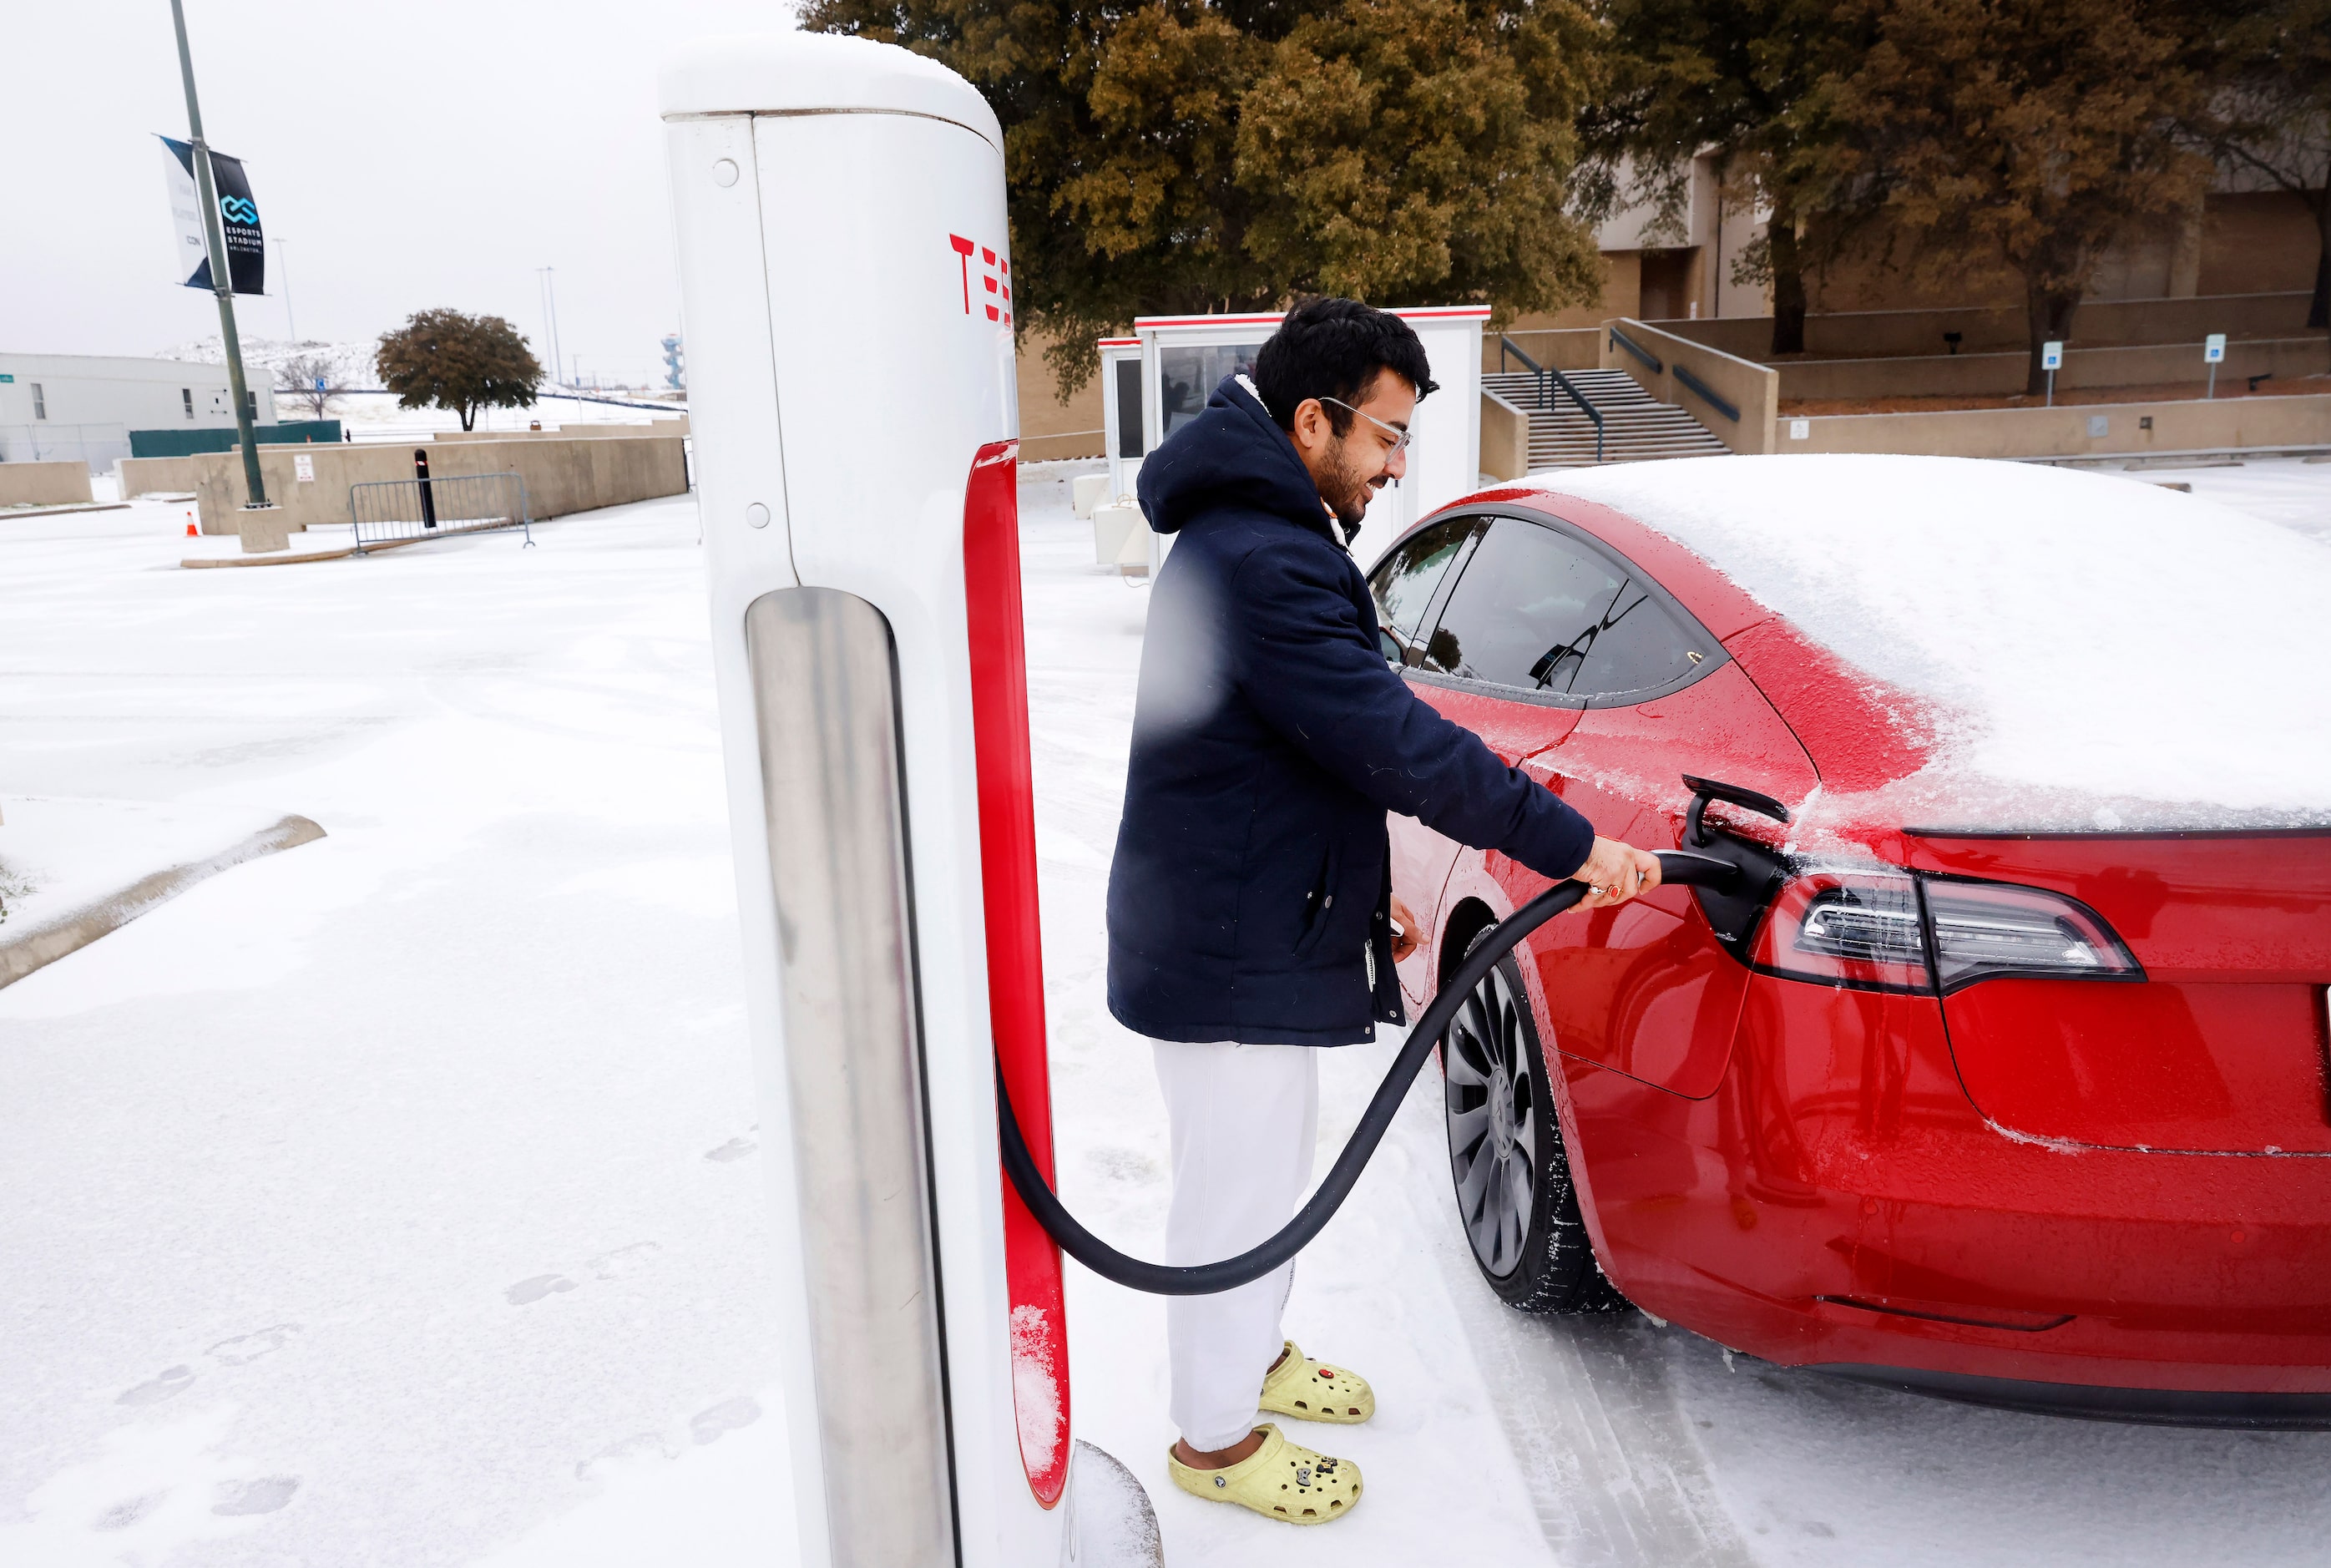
x=1244, y=1120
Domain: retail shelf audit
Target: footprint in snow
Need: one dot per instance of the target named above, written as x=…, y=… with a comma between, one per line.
x=121, y=1516
x=613, y=1265
x=263, y=1496
x=727, y=1416
x=155, y=1390
x=634, y=1450
x=246, y=1348
x=526, y=1292
x=623, y=1260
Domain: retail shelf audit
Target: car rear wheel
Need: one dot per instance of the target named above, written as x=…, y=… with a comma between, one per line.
x=1515, y=1196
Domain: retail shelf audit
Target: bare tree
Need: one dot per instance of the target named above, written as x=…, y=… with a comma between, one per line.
x=310, y=379
x=2270, y=114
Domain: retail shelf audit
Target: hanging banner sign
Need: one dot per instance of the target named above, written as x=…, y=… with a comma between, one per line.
x=246, y=248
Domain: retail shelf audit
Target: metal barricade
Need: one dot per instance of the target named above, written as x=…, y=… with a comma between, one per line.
x=387, y=511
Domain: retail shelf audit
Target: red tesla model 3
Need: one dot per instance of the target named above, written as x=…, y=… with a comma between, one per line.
x=2000, y=1074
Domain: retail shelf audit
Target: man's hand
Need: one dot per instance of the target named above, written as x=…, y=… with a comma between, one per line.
x=1615, y=872
x=1404, y=933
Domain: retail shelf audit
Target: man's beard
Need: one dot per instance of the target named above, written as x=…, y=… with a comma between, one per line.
x=1346, y=492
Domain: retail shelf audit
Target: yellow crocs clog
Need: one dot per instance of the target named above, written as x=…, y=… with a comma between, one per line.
x=1279, y=1480
x=1309, y=1391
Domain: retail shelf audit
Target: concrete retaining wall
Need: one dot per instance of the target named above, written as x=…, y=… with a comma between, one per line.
x=2228, y=423
x=561, y=477
x=569, y=432
x=1505, y=438
x=2002, y=374
x=145, y=476
x=1754, y=390
x=43, y=484
x=1560, y=347
x=2099, y=324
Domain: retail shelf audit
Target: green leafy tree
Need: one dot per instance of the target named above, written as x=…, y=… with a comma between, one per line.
x=449, y=360
x=1183, y=156
x=1741, y=77
x=2039, y=131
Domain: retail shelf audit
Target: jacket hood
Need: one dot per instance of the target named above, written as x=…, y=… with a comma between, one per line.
x=1232, y=453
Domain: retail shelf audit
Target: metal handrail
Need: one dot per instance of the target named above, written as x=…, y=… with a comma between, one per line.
x=1542, y=372
x=1637, y=349
x=1708, y=395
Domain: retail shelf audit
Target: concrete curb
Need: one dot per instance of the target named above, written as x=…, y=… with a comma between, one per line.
x=63, y=511
x=37, y=949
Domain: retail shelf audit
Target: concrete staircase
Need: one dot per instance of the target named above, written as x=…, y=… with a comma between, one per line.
x=1634, y=428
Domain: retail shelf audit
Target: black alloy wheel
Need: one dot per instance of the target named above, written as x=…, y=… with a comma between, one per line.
x=1515, y=1196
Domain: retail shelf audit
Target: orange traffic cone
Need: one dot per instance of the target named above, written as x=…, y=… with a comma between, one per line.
x=192, y=532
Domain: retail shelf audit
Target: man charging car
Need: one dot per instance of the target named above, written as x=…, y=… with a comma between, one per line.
x=1251, y=916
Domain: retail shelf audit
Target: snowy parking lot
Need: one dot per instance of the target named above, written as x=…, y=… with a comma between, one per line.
x=393, y=1199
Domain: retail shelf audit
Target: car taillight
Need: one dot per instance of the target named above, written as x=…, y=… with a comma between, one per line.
x=1877, y=931
x=1849, y=928
x=1982, y=930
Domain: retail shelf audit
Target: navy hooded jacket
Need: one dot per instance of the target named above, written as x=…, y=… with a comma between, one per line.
x=1248, y=897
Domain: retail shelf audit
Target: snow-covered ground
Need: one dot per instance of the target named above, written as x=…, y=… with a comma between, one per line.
x=375, y=416
x=393, y=1200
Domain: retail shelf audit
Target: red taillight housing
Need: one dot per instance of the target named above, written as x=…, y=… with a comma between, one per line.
x=1849, y=928
x=1981, y=930
x=1890, y=931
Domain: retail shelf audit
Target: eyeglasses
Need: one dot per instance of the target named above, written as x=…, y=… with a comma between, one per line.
x=1399, y=436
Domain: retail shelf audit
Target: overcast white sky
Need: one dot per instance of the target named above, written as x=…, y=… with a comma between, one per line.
x=418, y=154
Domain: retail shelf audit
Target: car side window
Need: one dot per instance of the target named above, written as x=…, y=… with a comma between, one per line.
x=1405, y=584
x=1537, y=610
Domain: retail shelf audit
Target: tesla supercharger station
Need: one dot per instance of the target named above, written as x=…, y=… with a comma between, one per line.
x=847, y=291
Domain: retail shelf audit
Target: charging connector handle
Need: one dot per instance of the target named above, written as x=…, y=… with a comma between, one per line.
x=1207, y=1279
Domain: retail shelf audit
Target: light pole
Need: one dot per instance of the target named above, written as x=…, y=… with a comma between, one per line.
x=550, y=293
x=558, y=374
x=222, y=280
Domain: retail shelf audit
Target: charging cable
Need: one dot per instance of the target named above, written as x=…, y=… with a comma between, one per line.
x=1676, y=866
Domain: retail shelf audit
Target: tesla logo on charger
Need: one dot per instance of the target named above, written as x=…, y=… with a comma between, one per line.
x=995, y=279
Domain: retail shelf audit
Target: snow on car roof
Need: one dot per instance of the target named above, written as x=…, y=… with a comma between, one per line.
x=2103, y=652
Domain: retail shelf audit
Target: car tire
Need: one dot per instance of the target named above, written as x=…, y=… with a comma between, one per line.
x=1515, y=1200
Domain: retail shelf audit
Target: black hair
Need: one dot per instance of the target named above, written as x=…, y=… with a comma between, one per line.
x=1329, y=348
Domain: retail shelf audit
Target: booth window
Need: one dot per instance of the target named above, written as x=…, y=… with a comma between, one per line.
x=1128, y=408
x=1187, y=377
x=39, y=402
x=188, y=392
x=250, y=404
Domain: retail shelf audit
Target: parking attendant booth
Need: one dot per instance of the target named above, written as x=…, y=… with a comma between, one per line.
x=1182, y=359
x=1125, y=431
x=846, y=281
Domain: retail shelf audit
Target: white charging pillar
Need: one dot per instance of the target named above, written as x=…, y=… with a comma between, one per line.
x=847, y=291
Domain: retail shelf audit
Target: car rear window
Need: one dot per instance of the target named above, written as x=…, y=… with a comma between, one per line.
x=1539, y=611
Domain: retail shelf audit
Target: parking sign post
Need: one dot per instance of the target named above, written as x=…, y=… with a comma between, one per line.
x=2214, y=353
x=2052, y=356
